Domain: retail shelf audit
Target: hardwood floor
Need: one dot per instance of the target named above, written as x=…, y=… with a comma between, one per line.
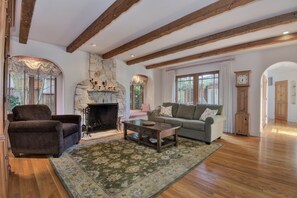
x=243, y=167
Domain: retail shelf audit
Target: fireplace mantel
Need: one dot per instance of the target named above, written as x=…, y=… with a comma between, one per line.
x=103, y=91
x=102, y=104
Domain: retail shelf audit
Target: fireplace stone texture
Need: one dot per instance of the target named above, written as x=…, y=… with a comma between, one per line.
x=101, y=71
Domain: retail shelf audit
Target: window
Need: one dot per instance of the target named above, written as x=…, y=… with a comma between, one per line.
x=32, y=81
x=136, y=96
x=27, y=89
x=185, y=89
x=200, y=88
x=208, y=88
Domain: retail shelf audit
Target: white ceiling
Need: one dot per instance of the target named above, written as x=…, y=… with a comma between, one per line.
x=59, y=22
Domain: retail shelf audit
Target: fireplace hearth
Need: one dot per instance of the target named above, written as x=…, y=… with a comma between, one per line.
x=102, y=116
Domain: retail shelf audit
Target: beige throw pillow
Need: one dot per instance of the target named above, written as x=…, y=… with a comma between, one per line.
x=208, y=113
x=166, y=111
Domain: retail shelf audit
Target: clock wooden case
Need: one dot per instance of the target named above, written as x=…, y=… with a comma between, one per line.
x=242, y=116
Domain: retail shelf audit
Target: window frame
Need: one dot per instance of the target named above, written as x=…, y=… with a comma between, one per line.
x=196, y=84
x=31, y=87
x=132, y=99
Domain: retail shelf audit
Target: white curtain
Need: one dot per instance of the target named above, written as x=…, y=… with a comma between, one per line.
x=169, y=86
x=226, y=96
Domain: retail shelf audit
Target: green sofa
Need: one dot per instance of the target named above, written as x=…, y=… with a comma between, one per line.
x=187, y=116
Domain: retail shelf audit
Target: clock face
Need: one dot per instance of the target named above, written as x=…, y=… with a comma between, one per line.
x=242, y=79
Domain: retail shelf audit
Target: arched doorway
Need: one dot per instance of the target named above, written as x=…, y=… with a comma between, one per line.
x=278, y=94
x=33, y=80
x=138, y=89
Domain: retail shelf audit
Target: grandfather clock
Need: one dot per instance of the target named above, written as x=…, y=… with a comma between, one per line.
x=242, y=117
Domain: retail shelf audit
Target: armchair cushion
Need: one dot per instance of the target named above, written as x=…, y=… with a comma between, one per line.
x=31, y=112
x=75, y=119
x=35, y=126
x=69, y=129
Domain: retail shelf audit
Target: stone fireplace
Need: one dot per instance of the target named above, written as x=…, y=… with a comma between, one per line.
x=100, y=88
x=101, y=116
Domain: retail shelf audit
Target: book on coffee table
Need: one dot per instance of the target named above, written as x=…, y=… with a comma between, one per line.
x=154, y=140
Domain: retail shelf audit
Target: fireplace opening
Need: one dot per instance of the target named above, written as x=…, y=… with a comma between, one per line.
x=101, y=116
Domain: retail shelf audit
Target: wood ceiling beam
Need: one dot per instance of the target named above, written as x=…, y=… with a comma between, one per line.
x=26, y=18
x=199, y=15
x=245, y=29
x=244, y=46
x=113, y=12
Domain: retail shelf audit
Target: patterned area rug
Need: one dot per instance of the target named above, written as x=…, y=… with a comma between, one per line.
x=101, y=134
x=114, y=167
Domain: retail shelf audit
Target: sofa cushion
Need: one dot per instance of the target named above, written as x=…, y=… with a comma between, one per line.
x=200, y=108
x=194, y=124
x=31, y=112
x=174, y=107
x=158, y=118
x=69, y=128
x=175, y=121
x=186, y=111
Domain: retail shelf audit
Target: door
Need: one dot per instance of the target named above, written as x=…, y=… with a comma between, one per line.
x=281, y=101
x=264, y=101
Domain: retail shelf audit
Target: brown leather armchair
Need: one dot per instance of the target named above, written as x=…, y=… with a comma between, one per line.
x=33, y=130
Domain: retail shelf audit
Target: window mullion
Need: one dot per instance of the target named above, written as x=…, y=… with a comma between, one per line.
x=196, y=87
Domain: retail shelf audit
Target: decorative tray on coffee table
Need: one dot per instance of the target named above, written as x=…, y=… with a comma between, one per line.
x=148, y=123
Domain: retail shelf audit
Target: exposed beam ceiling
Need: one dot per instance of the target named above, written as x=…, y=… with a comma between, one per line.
x=252, y=27
x=26, y=18
x=244, y=46
x=114, y=11
x=194, y=17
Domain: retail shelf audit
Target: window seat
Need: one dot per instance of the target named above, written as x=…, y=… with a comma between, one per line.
x=137, y=113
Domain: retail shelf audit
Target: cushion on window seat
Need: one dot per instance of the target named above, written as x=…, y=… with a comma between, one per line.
x=137, y=113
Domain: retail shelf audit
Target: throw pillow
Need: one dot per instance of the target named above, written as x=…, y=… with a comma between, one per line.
x=166, y=111
x=208, y=113
x=145, y=107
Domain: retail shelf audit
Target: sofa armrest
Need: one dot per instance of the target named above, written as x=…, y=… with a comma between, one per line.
x=214, y=127
x=153, y=113
x=35, y=126
x=76, y=119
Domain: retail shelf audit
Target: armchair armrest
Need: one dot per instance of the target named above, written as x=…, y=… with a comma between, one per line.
x=10, y=117
x=35, y=126
x=76, y=119
x=36, y=137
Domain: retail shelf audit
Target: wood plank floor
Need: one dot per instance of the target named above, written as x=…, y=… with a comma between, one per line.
x=243, y=167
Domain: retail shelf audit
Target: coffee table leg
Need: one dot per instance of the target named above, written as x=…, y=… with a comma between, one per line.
x=125, y=131
x=158, y=143
x=175, y=138
x=139, y=137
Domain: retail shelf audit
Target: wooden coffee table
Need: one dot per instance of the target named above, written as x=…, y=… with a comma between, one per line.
x=159, y=131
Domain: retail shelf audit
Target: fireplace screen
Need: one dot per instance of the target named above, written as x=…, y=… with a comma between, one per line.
x=101, y=116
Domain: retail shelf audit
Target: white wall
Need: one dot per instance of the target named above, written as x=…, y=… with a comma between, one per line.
x=124, y=76
x=257, y=62
x=73, y=65
x=280, y=74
